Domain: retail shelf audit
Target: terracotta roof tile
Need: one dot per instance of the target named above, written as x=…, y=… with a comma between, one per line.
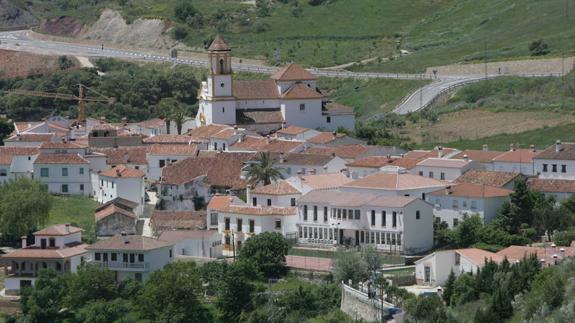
x=482, y=156
x=122, y=171
x=259, y=116
x=479, y=256
x=38, y=253
x=343, y=151
x=19, y=151
x=258, y=210
x=517, y=155
x=325, y=181
x=112, y=209
x=567, y=152
x=61, y=145
x=301, y=91
x=394, y=181
x=303, y=159
x=174, y=150
x=60, y=159
x=177, y=220
x=293, y=72
x=277, y=188
x=473, y=190
x=325, y=138
x=152, y=123
x=487, y=177
x=382, y=161
x=423, y=154
x=255, y=89
x=442, y=162
x=5, y=159
x=293, y=130
x=221, y=201
x=31, y=137
x=129, y=242
x=207, y=132
x=58, y=230
x=219, y=44
x=252, y=143
x=127, y=155
x=347, y=199
x=176, y=236
x=171, y=139
x=552, y=185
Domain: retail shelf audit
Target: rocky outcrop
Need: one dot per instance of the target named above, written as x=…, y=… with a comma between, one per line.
x=61, y=26
x=12, y=16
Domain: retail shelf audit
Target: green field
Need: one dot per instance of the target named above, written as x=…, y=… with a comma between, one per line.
x=387, y=259
x=78, y=211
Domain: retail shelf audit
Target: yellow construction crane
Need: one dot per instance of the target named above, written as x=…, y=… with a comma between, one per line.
x=81, y=98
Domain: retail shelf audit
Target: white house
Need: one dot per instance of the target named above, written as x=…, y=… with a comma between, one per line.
x=194, y=243
x=556, y=162
x=121, y=181
x=67, y=174
x=397, y=224
x=453, y=203
x=150, y=127
x=162, y=155
x=516, y=160
x=484, y=156
x=238, y=221
x=560, y=189
x=280, y=193
x=374, y=164
x=58, y=247
x=290, y=97
x=444, y=169
x=308, y=183
x=29, y=139
x=17, y=162
x=131, y=256
x=434, y=269
x=489, y=178
x=217, y=137
x=293, y=164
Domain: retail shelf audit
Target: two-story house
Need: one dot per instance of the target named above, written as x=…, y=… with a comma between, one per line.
x=160, y=156
x=121, y=181
x=556, y=162
x=67, y=174
x=444, y=169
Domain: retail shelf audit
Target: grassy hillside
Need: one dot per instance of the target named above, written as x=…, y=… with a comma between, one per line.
x=78, y=211
x=470, y=30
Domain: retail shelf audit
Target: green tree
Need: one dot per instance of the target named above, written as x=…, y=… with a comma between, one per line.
x=184, y=9
x=426, y=309
x=267, y=252
x=263, y=170
x=372, y=258
x=6, y=128
x=43, y=302
x=65, y=63
x=91, y=283
x=24, y=206
x=235, y=291
x=464, y=290
x=263, y=7
x=448, y=288
x=106, y=311
x=520, y=208
x=467, y=232
x=548, y=289
x=173, y=295
x=539, y=48
x=350, y=265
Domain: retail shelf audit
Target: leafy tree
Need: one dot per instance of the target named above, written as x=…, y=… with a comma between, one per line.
x=520, y=208
x=467, y=232
x=183, y=10
x=464, y=290
x=263, y=7
x=547, y=216
x=173, y=295
x=539, y=48
x=426, y=309
x=65, y=63
x=43, y=302
x=24, y=206
x=235, y=292
x=564, y=238
x=372, y=258
x=6, y=128
x=548, y=288
x=263, y=170
x=91, y=283
x=448, y=288
x=501, y=303
x=105, y=311
x=180, y=33
x=267, y=252
x=350, y=265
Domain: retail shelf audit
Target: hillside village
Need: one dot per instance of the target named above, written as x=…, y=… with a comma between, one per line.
x=267, y=198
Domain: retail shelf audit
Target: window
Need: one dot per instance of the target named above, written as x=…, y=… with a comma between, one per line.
x=64, y=171
x=339, y=213
x=357, y=214
x=227, y=224
x=252, y=226
x=455, y=222
x=278, y=224
x=64, y=188
x=417, y=215
x=170, y=253
x=97, y=256
x=221, y=66
x=302, y=107
x=214, y=219
x=254, y=201
x=328, y=119
x=269, y=202
x=292, y=201
x=554, y=168
x=228, y=241
x=344, y=214
x=383, y=218
x=114, y=256
x=223, y=110
x=314, y=213
x=563, y=168
x=372, y=217
x=464, y=203
x=430, y=174
x=140, y=257
x=325, y=214
x=442, y=176
x=457, y=259
x=52, y=242
x=394, y=219
x=44, y=172
x=473, y=205
x=162, y=163
x=223, y=146
x=305, y=212
x=455, y=204
x=420, y=173
x=215, y=146
x=221, y=85
x=81, y=187
x=544, y=167
x=3, y=172
x=239, y=225
x=81, y=170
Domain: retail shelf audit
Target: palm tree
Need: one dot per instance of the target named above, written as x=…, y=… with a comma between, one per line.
x=263, y=171
x=178, y=116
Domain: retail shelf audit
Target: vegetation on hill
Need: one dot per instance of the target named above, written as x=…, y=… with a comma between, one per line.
x=76, y=210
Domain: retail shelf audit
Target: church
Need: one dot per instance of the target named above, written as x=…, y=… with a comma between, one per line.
x=289, y=97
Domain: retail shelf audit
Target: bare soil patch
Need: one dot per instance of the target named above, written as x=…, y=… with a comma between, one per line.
x=22, y=64
x=61, y=26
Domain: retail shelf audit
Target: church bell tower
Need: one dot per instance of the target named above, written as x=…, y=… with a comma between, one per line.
x=220, y=69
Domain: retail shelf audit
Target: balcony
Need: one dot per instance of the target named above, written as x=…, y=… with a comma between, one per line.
x=119, y=265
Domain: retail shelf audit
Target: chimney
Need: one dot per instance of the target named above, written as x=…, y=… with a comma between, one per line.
x=282, y=158
x=439, y=152
x=125, y=237
x=485, y=148
x=24, y=241
x=269, y=139
x=248, y=193
x=532, y=147
x=558, y=146
x=512, y=147
x=465, y=157
x=235, y=130
x=562, y=250
x=67, y=227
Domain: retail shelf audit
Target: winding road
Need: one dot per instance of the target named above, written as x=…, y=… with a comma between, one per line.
x=420, y=99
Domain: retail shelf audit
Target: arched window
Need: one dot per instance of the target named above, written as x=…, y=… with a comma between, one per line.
x=221, y=65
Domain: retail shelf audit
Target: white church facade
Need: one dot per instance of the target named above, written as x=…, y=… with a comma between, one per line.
x=289, y=97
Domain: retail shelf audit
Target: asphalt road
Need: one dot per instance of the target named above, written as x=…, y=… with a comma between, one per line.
x=421, y=98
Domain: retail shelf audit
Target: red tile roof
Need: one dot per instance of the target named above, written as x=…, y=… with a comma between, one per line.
x=552, y=185
x=61, y=145
x=482, y=156
x=129, y=242
x=258, y=210
x=128, y=155
x=5, y=159
x=174, y=150
x=176, y=236
x=255, y=89
x=278, y=188
x=38, y=253
x=567, y=152
x=301, y=91
x=209, y=131
x=293, y=130
x=219, y=44
x=382, y=161
x=31, y=137
x=58, y=230
x=122, y=171
x=222, y=201
x=393, y=181
x=524, y=156
x=60, y=159
x=445, y=163
x=293, y=72
x=112, y=209
x=177, y=220
x=325, y=181
x=335, y=109
x=325, y=138
x=252, y=143
x=347, y=199
x=473, y=190
x=303, y=159
x=152, y=123
x=478, y=256
x=343, y=151
x=19, y=151
x=170, y=139
x=487, y=177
